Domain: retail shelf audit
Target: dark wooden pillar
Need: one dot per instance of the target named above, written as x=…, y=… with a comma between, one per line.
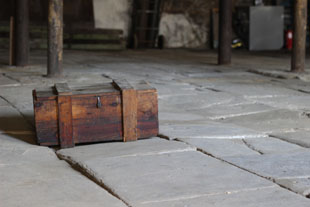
x=55, y=38
x=21, y=32
x=299, y=36
x=225, y=32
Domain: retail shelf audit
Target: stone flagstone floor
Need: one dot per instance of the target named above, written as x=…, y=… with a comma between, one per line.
x=229, y=135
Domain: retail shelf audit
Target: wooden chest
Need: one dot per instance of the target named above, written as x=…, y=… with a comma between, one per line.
x=109, y=112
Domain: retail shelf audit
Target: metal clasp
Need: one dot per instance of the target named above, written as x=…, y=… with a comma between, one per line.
x=99, y=105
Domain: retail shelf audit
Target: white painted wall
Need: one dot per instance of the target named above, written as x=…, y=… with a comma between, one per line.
x=113, y=14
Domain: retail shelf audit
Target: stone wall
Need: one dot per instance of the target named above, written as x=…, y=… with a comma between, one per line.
x=113, y=14
x=186, y=23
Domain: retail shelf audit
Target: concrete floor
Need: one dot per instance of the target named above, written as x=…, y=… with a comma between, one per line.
x=229, y=135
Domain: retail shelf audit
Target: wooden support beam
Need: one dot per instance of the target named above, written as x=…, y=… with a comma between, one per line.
x=12, y=49
x=299, y=36
x=225, y=32
x=55, y=38
x=21, y=33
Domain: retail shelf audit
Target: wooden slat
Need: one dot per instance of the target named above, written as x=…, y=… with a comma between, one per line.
x=122, y=84
x=129, y=103
x=63, y=89
x=92, y=123
x=129, y=109
x=65, y=122
x=147, y=113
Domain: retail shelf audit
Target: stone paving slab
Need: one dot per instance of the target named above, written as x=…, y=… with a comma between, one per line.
x=271, y=145
x=208, y=130
x=288, y=102
x=3, y=102
x=7, y=82
x=21, y=98
x=280, y=120
x=9, y=141
x=33, y=176
x=190, y=102
x=221, y=147
x=173, y=117
x=52, y=183
x=11, y=121
x=300, y=137
x=174, y=89
x=152, y=178
x=126, y=149
x=264, y=197
x=224, y=111
x=166, y=173
x=276, y=166
x=298, y=185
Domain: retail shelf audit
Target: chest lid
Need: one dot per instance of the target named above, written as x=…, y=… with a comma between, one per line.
x=112, y=88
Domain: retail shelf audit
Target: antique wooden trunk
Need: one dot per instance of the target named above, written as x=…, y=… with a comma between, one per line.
x=109, y=112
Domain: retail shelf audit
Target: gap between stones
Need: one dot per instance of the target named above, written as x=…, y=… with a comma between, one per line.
x=288, y=141
x=91, y=176
x=251, y=147
x=249, y=171
x=10, y=77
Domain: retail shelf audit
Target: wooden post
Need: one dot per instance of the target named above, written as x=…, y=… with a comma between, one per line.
x=21, y=33
x=55, y=38
x=225, y=32
x=11, y=51
x=299, y=36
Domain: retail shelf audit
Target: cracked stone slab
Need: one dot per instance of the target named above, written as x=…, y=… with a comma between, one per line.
x=38, y=177
x=276, y=166
x=129, y=149
x=300, y=137
x=271, y=145
x=149, y=178
x=3, y=102
x=298, y=185
x=283, y=74
x=275, y=73
x=262, y=197
x=281, y=120
x=221, y=147
x=256, y=90
x=227, y=111
x=7, y=82
x=208, y=130
x=51, y=185
x=21, y=98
